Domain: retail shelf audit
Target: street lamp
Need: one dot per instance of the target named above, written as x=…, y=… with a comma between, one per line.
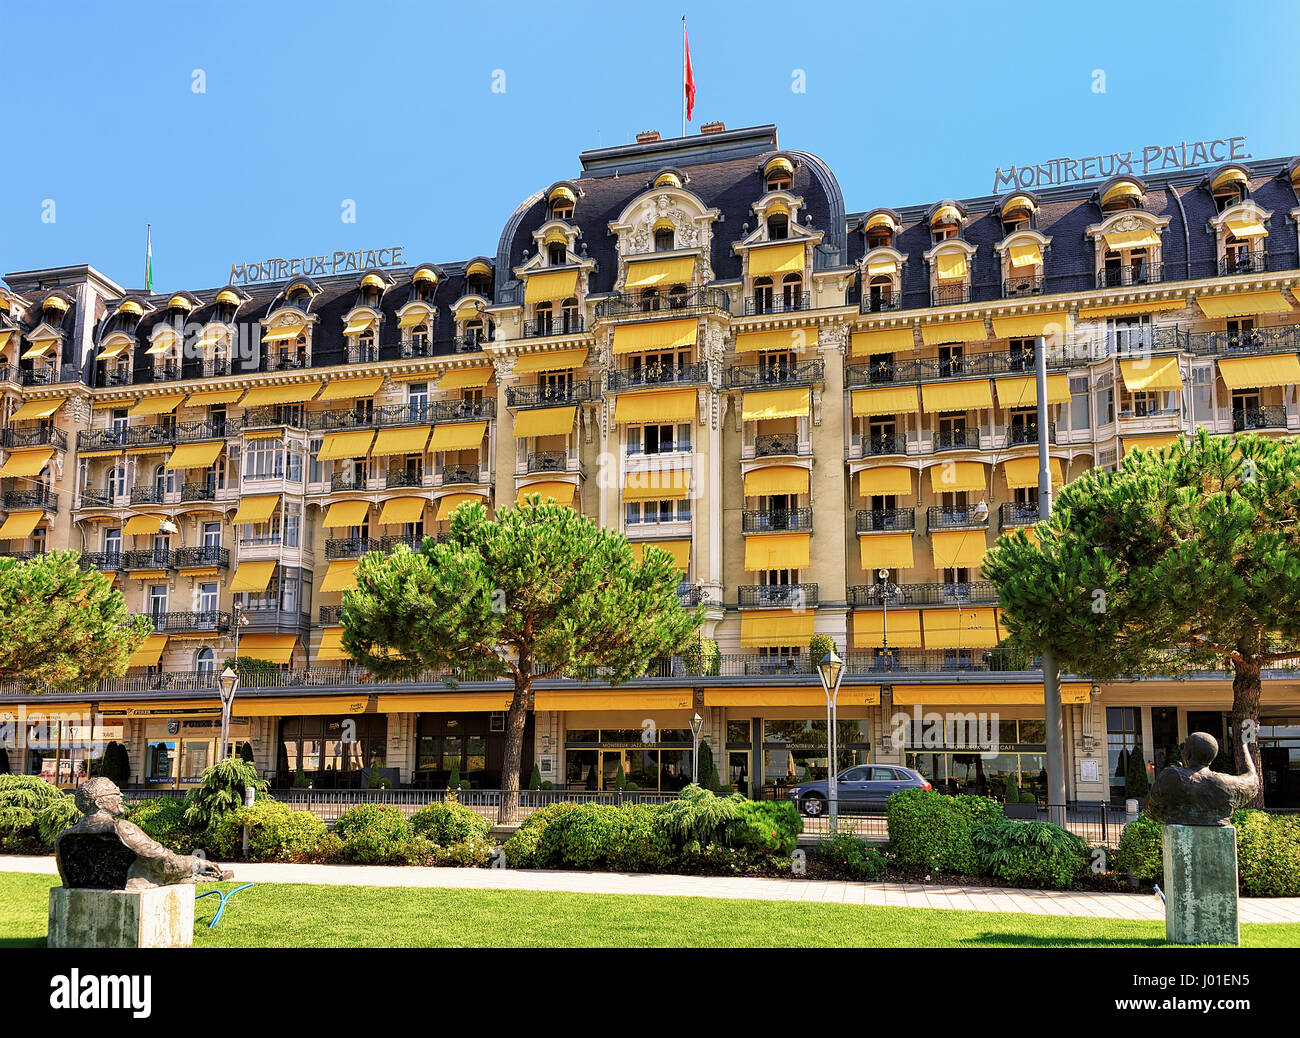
x=887, y=591
x=831, y=671
x=697, y=722
x=229, y=682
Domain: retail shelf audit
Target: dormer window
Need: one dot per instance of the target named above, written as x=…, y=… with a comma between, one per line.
x=1017, y=221
x=478, y=279
x=1120, y=196
x=556, y=254
x=665, y=239
x=879, y=238
x=298, y=296
x=778, y=182
x=1229, y=192
x=562, y=209
x=942, y=232
x=778, y=227
x=778, y=173
x=945, y=223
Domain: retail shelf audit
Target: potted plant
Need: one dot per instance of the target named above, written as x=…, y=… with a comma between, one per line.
x=1014, y=805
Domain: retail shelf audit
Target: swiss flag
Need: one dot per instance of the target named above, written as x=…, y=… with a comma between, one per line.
x=690, y=77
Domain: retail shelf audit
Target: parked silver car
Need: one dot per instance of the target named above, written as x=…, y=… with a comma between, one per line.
x=863, y=787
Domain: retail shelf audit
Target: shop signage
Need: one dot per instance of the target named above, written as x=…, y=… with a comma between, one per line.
x=1154, y=158
x=279, y=268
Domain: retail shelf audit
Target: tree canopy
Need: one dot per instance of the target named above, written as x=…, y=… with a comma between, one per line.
x=534, y=592
x=62, y=625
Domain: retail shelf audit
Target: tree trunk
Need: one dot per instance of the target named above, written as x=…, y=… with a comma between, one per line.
x=516, y=719
x=1245, y=708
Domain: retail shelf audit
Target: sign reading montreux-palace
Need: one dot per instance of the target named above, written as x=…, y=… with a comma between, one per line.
x=311, y=266
x=1154, y=158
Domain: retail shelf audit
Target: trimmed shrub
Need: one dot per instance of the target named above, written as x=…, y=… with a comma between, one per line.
x=1031, y=854
x=453, y=780
x=548, y=784
x=1012, y=792
x=56, y=816
x=245, y=751
x=449, y=823
x=851, y=857
x=1141, y=849
x=932, y=832
x=374, y=834
x=18, y=832
x=220, y=791
x=620, y=778
x=1136, y=783
x=276, y=832
x=1268, y=854
x=300, y=779
x=116, y=765
x=708, y=777
x=534, y=845
x=535, y=779
x=163, y=819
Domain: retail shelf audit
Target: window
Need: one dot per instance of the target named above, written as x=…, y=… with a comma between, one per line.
x=1105, y=399
x=778, y=180
x=561, y=209
x=1080, y=418
x=569, y=317
x=762, y=295
x=659, y=439
x=289, y=594
x=292, y=523
x=942, y=232
x=157, y=599
x=117, y=480
x=1202, y=393
x=295, y=466
x=792, y=291
x=640, y=512
x=665, y=240
x=557, y=253
x=205, y=661
x=264, y=459
x=207, y=598
x=545, y=317
x=778, y=227
x=881, y=292
x=113, y=541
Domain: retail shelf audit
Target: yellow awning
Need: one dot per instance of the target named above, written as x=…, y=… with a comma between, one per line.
x=331, y=645
x=194, y=456
x=255, y=509
x=353, y=443
x=466, y=378
x=953, y=331
x=20, y=524
x=1025, y=255
x=213, y=396
x=1131, y=239
x=811, y=697
x=149, y=652
x=951, y=266
x=656, y=485
x=776, y=479
x=551, y=287
x=903, y=631
x=1030, y=326
x=1023, y=472
x=882, y=340
x=457, y=436
x=156, y=448
x=885, y=480
x=770, y=260
x=553, y=360
x=165, y=344
x=886, y=551
x=467, y=311
x=881, y=267
x=37, y=409
x=1246, y=227
x=559, y=491
x=283, y=332
x=409, y=440
x=953, y=477
x=400, y=510
x=274, y=648
x=778, y=551
x=545, y=421
x=647, y=704
x=887, y=400
x=446, y=702
x=28, y=462
x=39, y=348
x=1151, y=373
x=339, y=576
x=774, y=403
x=253, y=576
x=359, y=324
x=342, y=514
x=1281, y=369
x=116, y=350
x=650, y=273
x=294, y=394
x=156, y=405
x=1243, y=303
x=975, y=628
x=1022, y=391
x=5, y=333
x=142, y=524
x=776, y=627
x=956, y=396
x=351, y=388
x=664, y=406
x=450, y=502
x=414, y=318
x=1150, y=443
x=778, y=339
x=679, y=550
x=478, y=269
x=983, y=695
x=1228, y=176
x=957, y=549
x=655, y=335
x=1152, y=306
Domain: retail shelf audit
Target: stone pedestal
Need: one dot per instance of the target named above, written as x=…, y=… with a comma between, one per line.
x=1201, y=884
x=162, y=917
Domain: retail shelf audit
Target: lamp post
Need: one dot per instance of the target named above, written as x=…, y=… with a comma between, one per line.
x=887, y=591
x=229, y=683
x=831, y=671
x=697, y=722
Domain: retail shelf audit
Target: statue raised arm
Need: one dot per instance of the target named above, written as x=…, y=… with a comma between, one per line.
x=1195, y=795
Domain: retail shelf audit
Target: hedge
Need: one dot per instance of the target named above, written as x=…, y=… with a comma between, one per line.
x=932, y=832
x=448, y=823
x=1030, y=854
x=163, y=819
x=276, y=832
x=373, y=834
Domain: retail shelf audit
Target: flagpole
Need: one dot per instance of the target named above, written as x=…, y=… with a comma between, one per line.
x=683, y=75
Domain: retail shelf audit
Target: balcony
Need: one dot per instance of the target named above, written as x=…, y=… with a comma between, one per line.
x=1251, y=419
x=198, y=492
x=95, y=499
x=41, y=497
x=663, y=304
x=416, y=348
x=43, y=437
x=880, y=302
x=552, y=395
x=146, y=495
x=218, y=368
x=548, y=461
x=149, y=558
x=656, y=375
x=885, y=443
x=977, y=365
x=777, y=596
x=458, y=474
x=329, y=616
x=202, y=556
x=1279, y=339
x=200, y=620
x=129, y=436
x=347, y=480
x=973, y=592
x=950, y=295
x=265, y=615
x=169, y=372
x=556, y=325
x=412, y=542
x=756, y=305
x=1029, y=285
x=692, y=595
x=637, y=449
x=771, y=445
x=22, y=556
x=197, y=432
x=105, y=561
x=1011, y=514
x=955, y=517
x=1255, y=262
x=349, y=547
x=392, y=415
x=1027, y=435
x=271, y=416
x=1134, y=274
x=880, y=520
x=403, y=478
x=769, y=520
x=956, y=439
x=50, y=375
x=764, y=376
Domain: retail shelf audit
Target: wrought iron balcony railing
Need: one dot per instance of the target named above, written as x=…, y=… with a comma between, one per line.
x=347, y=480
x=957, y=439
x=202, y=555
x=1254, y=262
x=765, y=376
x=52, y=374
x=198, y=492
x=148, y=558
x=39, y=497
x=877, y=520
x=146, y=495
x=548, y=461
x=667, y=303
x=109, y=561
x=272, y=415
x=880, y=303
x=777, y=596
x=1020, y=435
x=559, y=324
x=955, y=517
x=413, y=542
x=330, y=615
x=1139, y=274
x=1248, y=419
x=771, y=445
x=777, y=304
x=349, y=547
x=767, y=520
x=551, y=395
x=169, y=372
x=199, y=620
x=404, y=478
x=949, y=295
x=656, y=375
x=878, y=595
x=1010, y=514
x=46, y=436
x=1029, y=285
x=95, y=499
x=391, y=415
x=885, y=443
x=459, y=474
x=1284, y=338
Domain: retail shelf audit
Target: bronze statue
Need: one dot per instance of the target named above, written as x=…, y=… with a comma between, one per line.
x=1195, y=795
x=104, y=851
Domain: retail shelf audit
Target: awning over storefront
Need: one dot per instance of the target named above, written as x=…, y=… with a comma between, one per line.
x=958, y=549
x=776, y=339
x=889, y=400
x=953, y=477
x=939, y=332
x=984, y=695
x=448, y=503
x=886, y=551
x=1281, y=369
x=149, y=652
x=777, y=551
x=655, y=335
x=37, y=409
x=297, y=393
x=194, y=456
x=882, y=340
x=457, y=436
x=339, y=576
x=774, y=627
x=850, y=695
x=553, y=360
x=1151, y=373
x=614, y=699
x=956, y=396
x=545, y=421
x=27, y=462
x=903, y=631
x=345, y=513
x=651, y=273
x=974, y=628
x=770, y=260
x=551, y=287
x=351, y=388
x=407, y=440
x=776, y=479
x=1023, y=472
x=255, y=509
x=679, y=550
x=1243, y=303
x=400, y=510
x=253, y=576
x=759, y=405
x=656, y=485
x=1022, y=391
x=559, y=491
x=300, y=706
x=445, y=703
x=885, y=480
x=660, y=406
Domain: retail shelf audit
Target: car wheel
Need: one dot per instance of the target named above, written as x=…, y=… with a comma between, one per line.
x=813, y=806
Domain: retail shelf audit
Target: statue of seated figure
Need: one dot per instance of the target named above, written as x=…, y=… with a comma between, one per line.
x=1195, y=795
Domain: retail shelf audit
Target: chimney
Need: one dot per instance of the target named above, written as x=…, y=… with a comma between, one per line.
x=647, y=136
x=713, y=128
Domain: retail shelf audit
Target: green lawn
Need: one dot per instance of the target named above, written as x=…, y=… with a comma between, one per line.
x=301, y=915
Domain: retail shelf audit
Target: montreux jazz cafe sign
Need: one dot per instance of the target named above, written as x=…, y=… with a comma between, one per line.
x=1154, y=158
x=312, y=266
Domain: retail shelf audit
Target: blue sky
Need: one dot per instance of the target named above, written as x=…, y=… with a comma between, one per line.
x=391, y=104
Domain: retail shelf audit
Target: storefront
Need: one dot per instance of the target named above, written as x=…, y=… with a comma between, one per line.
x=331, y=751
x=473, y=745
x=1279, y=753
x=650, y=758
x=1021, y=754
x=64, y=750
x=179, y=749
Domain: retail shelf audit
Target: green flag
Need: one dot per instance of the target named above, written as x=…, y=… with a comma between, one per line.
x=148, y=259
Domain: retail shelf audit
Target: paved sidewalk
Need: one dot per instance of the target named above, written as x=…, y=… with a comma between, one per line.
x=909, y=895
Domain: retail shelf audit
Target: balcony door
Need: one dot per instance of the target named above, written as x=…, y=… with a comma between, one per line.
x=157, y=600
x=1245, y=410
x=952, y=429
x=882, y=435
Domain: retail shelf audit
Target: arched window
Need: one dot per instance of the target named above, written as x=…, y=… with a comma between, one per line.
x=881, y=292
x=649, y=299
x=762, y=295
x=561, y=209
x=298, y=296
x=1121, y=195
x=778, y=180
x=205, y=661
x=366, y=344
x=792, y=292
x=557, y=254
x=664, y=240
x=1236, y=255
x=569, y=316
x=942, y=232
x=879, y=238
x=677, y=297
x=117, y=481
x=164, y=480
x=778, y=227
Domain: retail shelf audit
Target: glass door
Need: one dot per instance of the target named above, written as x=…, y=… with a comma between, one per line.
x=610, y=761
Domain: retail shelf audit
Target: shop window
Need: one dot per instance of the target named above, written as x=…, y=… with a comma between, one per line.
x=1123, y=733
